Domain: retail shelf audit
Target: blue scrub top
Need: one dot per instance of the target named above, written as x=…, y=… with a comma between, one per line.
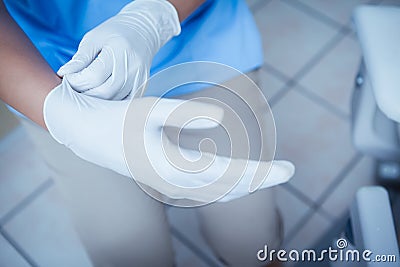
x=222, y=31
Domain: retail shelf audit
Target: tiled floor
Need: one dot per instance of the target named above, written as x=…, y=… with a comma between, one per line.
x=311, y=57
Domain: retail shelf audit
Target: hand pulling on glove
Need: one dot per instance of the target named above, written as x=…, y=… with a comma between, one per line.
x=113, y=60
x=93, y=129
x=112, y=63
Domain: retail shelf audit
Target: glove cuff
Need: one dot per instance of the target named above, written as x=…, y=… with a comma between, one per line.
x=47, y=113
x=160, y=17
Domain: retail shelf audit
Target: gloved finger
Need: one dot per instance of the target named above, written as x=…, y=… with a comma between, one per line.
x=185, y=114
x=86, y=53
x=96, y=73
x=234, y=176
x=121, y=83
x=106, y=90
x=281, y=171
x=247, y=171
x=72, y=66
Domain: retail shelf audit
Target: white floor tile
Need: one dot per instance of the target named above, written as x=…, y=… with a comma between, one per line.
x=309, y=233
x=307, y=236
x=290, y=37
x=338, y=10
x=44, y=231
x=185, y=257
x=333, y=77
x=317, y=141
x=185, y=221
x=21, y=170
x=9, y=256
x=269, y=84
x=292, y=209
x=341, y=198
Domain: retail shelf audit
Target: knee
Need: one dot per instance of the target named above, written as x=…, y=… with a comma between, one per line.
x=236, y=231
x=131, y=251
x=241, y=250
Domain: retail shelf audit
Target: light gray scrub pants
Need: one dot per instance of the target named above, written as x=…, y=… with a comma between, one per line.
x=120, y=225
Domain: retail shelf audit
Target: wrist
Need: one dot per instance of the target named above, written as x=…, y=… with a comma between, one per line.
x=158, y=20
x=52, y=86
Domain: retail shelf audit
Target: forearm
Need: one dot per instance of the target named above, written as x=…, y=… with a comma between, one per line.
x=185, y=7
x=25, y=77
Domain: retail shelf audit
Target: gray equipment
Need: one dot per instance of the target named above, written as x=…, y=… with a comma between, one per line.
x=376, y=99
x=375, y=122
x=372, y=228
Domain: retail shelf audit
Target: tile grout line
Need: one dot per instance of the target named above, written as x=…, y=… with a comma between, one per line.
x=17, y=248
x=300, y=195
x=332, y=43
x=314, y=13
x=339, y=178
x=306, y=200
x=298, y=226
x=189, y=244
x=302, y=222
x=266, y=67
x=284, y=89
x=316, y=207
x=279, y=95
x=309, y=95
x=325, y=214
x=26, y=201
x=292, y=82
x=299, y=88
x=321, y=101
x=339, y=36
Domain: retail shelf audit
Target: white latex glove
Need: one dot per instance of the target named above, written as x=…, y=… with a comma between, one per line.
x=94, y=130
x=113, y=60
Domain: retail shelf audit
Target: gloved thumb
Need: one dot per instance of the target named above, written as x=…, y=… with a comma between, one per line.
x=71, y=66
x=86, y=53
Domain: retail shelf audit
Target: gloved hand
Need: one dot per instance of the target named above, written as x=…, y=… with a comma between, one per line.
x=113, y=60
x=94, y=130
